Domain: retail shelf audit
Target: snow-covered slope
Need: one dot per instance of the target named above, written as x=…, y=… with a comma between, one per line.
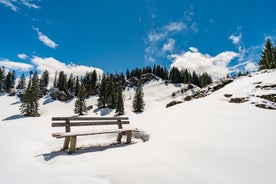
x=207, y=140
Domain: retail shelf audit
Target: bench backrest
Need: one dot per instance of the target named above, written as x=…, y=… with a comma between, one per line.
x=67, y=122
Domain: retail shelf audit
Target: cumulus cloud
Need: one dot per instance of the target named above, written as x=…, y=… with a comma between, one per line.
x=52, y=65
x=45, y=39
x=22, y=56
x=169, y=46
x=193, y=60
x=15, y=65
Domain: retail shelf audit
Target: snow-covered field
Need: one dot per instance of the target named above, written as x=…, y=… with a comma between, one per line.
x=207, y=140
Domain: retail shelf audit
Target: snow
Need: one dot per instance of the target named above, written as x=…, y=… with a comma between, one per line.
x=207, y=140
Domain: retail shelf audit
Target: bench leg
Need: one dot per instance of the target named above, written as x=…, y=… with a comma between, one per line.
x=119, y=137
x=129, y=136
x=73, y=143
x=66, y=143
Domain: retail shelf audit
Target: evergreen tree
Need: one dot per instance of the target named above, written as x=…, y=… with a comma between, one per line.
x=274, y=57
x=205, y=79
x=30, y=105
x=80, y=104
x=102, y=101
x=45, y=79
x=175, y=75
x=62, y=82
x=127, y=74
x=195, y=79
x=138, y=102
x=22, y=82
x=111, y=93
x=9, y=82
x=120, y=101
x=267, y=59
x=2, y=78
x=90, y=82
x=71, y=83
x=77, y=86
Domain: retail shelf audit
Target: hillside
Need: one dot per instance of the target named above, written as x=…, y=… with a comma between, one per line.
x=205, y=140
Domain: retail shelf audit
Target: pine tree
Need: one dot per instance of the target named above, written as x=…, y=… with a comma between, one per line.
x=70, y=83
x=22, y=82
x=111, y=93
x=120, y=101
x=62, y=82
x=80, y=104
x=102, y=101
x=274, y=57
x=127, y=74
x=138, y=102
x=175, y=75
x=266, y=61
x=205, y=79
x=45, y=79
x=195, y=78
x=77, y=86
x=30, y=105
x=9, y=82
x=2, y=78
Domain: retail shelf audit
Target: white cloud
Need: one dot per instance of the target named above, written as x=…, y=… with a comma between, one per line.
x=15, y=65
x=53, y=66
x=154, y=36
x=28, y=3
x=193, y=60
x=22, y=56
x=236, y=39
x=14, y=4
x=9, y=4
x=175, y=26
x=169, y=46
x=251, y=67
x=156, y=40
x=44, y=39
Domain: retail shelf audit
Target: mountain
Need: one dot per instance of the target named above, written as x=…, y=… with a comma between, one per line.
x=204, y=140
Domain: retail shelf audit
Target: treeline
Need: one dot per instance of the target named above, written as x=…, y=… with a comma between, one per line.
x=157, y=70
x=174, y=75
x=185, y=76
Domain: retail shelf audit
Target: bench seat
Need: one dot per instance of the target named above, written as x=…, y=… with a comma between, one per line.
x=91, y=132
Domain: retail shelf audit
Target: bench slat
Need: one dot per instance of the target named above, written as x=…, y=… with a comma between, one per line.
x=87, y=118
x=93, y=132
x=89, y=123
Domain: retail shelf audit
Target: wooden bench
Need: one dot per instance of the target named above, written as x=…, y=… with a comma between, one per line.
x=70, y=138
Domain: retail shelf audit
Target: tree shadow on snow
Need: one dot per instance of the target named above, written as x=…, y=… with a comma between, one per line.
x=15, y=103
x=103, y=111
x=14, y=117
x=81, y=150
x=48, y=100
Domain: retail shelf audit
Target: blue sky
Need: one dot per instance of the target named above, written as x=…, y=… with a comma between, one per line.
x=217, y=36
